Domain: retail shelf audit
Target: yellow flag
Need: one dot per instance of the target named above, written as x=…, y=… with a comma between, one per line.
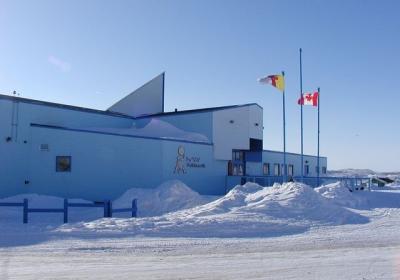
x=277, y=81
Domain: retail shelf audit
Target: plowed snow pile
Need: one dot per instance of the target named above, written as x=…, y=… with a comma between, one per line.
x=246, y=211
x=168, y=197
x=341, y=195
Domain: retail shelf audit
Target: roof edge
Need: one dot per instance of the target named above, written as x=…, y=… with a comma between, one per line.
x=296, y=154
x=201, y=110
x=118, y=134
x=62, y=106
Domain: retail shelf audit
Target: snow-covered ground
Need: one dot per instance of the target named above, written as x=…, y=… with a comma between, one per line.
x=280, y=232
x=350, y=172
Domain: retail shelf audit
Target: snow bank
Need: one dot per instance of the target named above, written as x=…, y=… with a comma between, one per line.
x=168, y=197
x=246, y=211
x=340, y=194
x=292, y=201
x=156, y=128
x=41, y=201
x=351, y=172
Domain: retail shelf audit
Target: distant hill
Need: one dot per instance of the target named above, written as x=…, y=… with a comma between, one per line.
x=350, y=172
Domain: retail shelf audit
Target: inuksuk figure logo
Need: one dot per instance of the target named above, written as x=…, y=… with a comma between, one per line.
x=180, y=161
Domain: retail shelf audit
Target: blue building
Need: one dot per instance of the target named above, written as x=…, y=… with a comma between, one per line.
x=70, y=151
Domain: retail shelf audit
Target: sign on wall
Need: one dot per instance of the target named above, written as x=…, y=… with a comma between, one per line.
x=185, y=162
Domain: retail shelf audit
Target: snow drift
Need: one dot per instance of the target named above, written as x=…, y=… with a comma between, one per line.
x=339, y=194
x=156, y=128
x=246, y=211
x=168, y=197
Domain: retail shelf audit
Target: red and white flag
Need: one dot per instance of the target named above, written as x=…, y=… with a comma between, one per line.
x=309, y=99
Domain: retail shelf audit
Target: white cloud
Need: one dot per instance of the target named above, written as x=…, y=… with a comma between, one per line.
x=60, y=64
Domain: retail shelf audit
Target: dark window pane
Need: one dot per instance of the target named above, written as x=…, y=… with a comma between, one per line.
x=290, y=170
x=266, y=168
x=63, y=164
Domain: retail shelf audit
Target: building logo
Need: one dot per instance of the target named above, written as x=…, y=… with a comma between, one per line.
x=180, y=161
x=184, y=162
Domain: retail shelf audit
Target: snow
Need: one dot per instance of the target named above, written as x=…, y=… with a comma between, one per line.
x=341, y=195
x=168, y=197
x=11, y=217
x=351, y=172
x=288, y=231
x=246, y=211
x=156, y=128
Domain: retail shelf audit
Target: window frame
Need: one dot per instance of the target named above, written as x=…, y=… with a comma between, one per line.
x=279, y=169
x=60, y=170
x=290, y=169
x=266, y=166
x=238, y=156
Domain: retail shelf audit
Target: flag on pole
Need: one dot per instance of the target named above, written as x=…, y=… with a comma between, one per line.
x=309, y=99
x=277, y=81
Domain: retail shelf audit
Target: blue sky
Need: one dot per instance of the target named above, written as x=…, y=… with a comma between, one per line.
x=92, y=53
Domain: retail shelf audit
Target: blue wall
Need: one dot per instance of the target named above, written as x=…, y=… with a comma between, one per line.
x=16, y=153
x=104, y=166
x=202, y=173
x=273, y=157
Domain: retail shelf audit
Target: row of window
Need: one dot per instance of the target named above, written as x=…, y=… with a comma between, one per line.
x=278, y=169
x=63, y=164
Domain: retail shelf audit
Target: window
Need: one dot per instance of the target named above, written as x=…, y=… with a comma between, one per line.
x=238, y=155
x=306, y=169
x=238, y=169
x=316, y=169
x=290, y=170
x=230, y=168
x=266, y=169
x=323, y=169
x=63, y=164
x=277, y=169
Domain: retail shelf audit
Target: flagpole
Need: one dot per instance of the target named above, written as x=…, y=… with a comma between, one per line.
x=284, y=133
x=319, y=171
x=301, y=117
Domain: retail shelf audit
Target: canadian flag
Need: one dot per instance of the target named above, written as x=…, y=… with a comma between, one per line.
x=309, y=99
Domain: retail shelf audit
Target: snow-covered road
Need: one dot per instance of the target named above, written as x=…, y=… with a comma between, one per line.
x=367, y=251
x=136, y=258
